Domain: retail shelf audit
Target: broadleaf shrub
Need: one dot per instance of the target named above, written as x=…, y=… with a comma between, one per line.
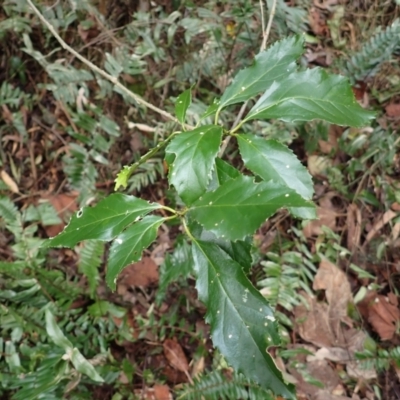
x=222, y=206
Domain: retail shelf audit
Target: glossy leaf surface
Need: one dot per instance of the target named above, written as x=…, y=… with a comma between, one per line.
x=103, y=221
x=242, y=323
x=269, y=66
x=309, y=95
x=272, y=160
x=195, y=152
x=239, y=250
x=239, y=206
x=128, y=247
x=182, y=104
x=225, y=171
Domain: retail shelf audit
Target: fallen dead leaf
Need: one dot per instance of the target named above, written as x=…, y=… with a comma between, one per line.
x=383, y=315
x=326, y=217
x=320, y=370
x=326, y=214
x=330, y=145
x=11, y=184
x=198, y=367
x=393, y=110
x=176, y=357
x=379, y=224
x=338, y=294
x=318, y=22
x=158, y=392
x=64, y=204
x=312, y=322
x=143, y=273
x=326, y=395
x=353, y=226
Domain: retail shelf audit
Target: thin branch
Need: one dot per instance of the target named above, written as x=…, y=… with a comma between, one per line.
x=262, y=16
x=94, y=68
x=269, y=25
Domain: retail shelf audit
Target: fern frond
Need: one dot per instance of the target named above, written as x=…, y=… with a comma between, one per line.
x=146, y=175
x=378, y=49
x=379, y=360
x=8, y=211
x=216, y=386
x=286, y=275
x=90, y=259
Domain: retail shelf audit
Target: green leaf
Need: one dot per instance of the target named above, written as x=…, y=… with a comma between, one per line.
x=104, y=221
x=221, y=173
x=122, y=177
x=308, y=95
x=239, y=206
x=83, y=366
x=211, y=110
x=195, y=153
x=55, y=333
x=242, y=323
x=225, y=171
x=272, y=160
x=182, y=104
x=239, y=251
x=269, y=66
x=127, y=247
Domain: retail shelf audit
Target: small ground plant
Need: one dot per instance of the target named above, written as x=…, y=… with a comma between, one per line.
x=222, y=206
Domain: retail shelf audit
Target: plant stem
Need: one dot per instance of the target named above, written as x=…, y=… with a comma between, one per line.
x=129, y=170
x=95, y=68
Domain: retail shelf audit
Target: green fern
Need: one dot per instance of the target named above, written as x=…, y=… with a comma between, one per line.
x=217, y=386
x=380, y=359
x=90, y=259
x=146, y=175
x=8, y=211
x=378, y=49
x=287, y=274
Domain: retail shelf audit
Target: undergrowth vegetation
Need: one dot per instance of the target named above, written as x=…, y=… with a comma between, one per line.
x=67, y=131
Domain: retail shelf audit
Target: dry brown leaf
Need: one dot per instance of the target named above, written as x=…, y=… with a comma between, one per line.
x=313, y=323
x=338, y=293
x=383, y=316
x=161, y=392
x=198, y=367
x=393, y=110
x=318, y=22
x=326, y=395
x=65, y=204
x=353, y=226
x=143, y=273
x=326, y=217
x=320, y=370
x=379, y=224
x=330, y=145
x=158, y=392
x=11, y=184
x=175, y=355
